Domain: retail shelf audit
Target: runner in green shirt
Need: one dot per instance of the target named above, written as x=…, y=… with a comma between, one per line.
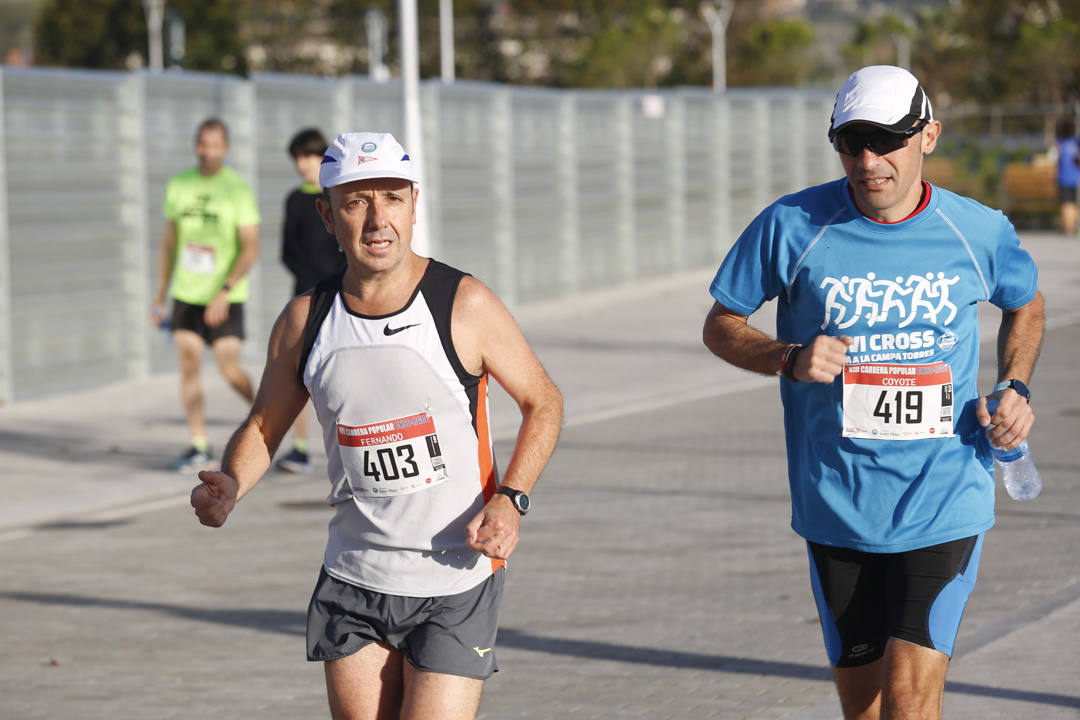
x=211, y=241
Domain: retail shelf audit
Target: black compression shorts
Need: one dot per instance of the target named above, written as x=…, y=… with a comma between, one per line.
x=917, y=596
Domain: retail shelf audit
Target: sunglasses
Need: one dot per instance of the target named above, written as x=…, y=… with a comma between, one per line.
x=880, y=142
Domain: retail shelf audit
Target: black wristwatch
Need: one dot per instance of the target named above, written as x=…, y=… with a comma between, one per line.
x=520, y=499
x=1017, y=385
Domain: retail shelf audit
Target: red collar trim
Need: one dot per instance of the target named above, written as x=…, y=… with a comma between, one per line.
x=923, y=202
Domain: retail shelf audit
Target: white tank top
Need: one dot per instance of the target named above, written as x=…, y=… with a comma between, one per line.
x=407, y=441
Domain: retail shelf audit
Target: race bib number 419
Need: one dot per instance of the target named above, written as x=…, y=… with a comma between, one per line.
x=394, y=457
x=898, y=402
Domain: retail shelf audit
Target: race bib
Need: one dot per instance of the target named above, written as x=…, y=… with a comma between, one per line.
x=898, y=402
x=395, y=457
x=198, y=259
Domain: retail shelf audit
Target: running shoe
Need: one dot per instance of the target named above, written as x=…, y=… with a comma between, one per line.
x=192, y=460
x=295, y=462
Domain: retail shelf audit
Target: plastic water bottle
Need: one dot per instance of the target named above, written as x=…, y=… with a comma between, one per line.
x=1022, y=479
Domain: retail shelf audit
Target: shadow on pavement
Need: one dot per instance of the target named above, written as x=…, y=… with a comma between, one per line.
x=740, y=665
x=656, y=656
x=286, y=622
x=290, y=622
x=1009, y=694
x=82, y=447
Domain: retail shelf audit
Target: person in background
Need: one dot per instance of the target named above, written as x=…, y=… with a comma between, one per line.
x=309, y=252
x=1068, y=173
x=211, y=241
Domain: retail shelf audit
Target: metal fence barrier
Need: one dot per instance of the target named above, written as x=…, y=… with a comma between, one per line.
x=539, y=193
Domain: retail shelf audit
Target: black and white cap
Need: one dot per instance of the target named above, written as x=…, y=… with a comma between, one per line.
x=883, y=95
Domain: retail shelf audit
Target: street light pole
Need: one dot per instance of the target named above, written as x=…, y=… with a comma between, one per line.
x=410, y=91
x=446, y=40
x=903, y=51
x=155, y=14
x=717, y=15
x=174, y=27
x=375, y=22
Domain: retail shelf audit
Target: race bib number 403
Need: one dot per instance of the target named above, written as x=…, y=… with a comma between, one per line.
x=898, y=402
x=394, y=457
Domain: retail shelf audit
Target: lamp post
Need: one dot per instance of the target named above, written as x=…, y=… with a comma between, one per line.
x=410, y=91
x=375, y=23
x=155, y=14
x=446, y=40
x=717, y=15
x=174, y=26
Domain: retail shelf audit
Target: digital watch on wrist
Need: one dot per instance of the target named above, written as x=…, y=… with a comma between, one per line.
x=1017, y=385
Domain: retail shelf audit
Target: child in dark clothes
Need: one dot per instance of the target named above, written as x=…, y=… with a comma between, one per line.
x=309, y=252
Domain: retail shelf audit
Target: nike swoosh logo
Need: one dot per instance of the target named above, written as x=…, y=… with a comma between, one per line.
x=483, y=652
x=387, y=330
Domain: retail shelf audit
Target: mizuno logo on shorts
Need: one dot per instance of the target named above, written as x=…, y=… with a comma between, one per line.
x=483, y=652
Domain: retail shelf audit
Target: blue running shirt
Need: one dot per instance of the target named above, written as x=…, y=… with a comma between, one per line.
x=907, y=294
x=1068, y=172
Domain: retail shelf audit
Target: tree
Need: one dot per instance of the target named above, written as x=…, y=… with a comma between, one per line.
x=877, y=41
x=101, y=34
x=111, y=34
x=773, y=52
x=1018, y=50
x=635, y=50
x=213, y=37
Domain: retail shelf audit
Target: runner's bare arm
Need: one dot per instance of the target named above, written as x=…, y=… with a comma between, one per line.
x=1019, y=340
x=487, y=339
x=248, y=236
x=217, y=311
x=729, y=337
x=166, y=261
x=280, y=398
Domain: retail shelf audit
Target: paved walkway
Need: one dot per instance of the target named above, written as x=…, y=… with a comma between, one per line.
x=657, y=576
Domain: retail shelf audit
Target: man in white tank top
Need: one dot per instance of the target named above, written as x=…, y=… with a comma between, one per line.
x=395, y=356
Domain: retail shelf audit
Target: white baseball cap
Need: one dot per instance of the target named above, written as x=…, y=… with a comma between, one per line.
x=364, y=156
x=883, y=95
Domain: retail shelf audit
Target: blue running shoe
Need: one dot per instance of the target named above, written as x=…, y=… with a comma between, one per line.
x=193, y=460
x=295, y=462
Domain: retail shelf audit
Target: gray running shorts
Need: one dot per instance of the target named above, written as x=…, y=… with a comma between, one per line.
x=452, y=634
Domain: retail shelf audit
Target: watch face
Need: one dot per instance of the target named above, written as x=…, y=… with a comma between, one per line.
x=1021, y=389
x=520, y=499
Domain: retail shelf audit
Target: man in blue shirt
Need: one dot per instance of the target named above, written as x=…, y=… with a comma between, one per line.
x=877, y=277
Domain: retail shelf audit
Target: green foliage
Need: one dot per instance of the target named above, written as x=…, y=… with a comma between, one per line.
x=977, y=51
x=16, y=19
x=774, y=52
x=874, y=42
x=636, y=51
x=1019, y=51
x=89, y=33
x=213, y=35
x=111, y=34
